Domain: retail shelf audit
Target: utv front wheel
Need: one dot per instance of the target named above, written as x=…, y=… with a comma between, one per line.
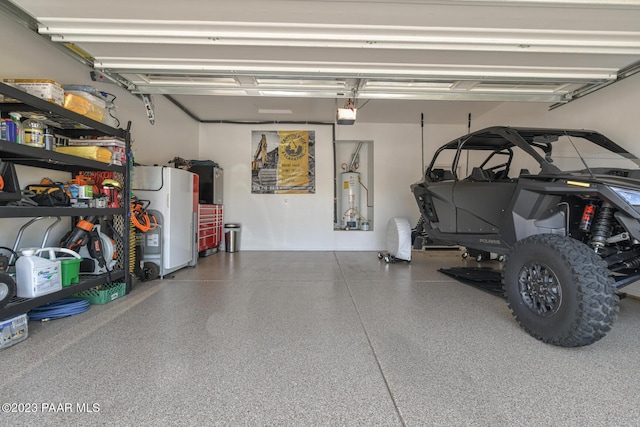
x=559, y=290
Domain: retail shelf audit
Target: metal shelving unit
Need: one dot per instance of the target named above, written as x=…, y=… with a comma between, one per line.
x=72, y=125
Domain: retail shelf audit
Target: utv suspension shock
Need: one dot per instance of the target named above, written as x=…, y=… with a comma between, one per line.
x=602, y=226
x=632, y=264
x=587, y=217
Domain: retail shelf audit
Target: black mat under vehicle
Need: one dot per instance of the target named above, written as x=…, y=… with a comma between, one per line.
x=563, y=208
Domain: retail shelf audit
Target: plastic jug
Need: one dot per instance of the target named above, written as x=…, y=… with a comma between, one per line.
x=37, y=275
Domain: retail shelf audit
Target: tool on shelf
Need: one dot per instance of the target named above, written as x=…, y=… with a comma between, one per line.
x=79, y=236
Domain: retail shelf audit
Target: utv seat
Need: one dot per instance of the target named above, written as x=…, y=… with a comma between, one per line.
x=478, y=174
x=501, y=175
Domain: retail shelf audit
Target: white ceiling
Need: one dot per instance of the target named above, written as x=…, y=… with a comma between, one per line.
x=258, y=60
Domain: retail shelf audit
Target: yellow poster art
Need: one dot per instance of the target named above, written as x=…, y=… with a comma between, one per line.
x=283, y=162
x=293, y=167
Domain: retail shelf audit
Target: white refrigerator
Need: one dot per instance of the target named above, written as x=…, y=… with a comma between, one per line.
x=172, y=196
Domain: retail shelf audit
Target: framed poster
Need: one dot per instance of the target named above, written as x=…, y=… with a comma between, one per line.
x=283, y=162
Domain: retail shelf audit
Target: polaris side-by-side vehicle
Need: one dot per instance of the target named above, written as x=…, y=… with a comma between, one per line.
x=563, y=208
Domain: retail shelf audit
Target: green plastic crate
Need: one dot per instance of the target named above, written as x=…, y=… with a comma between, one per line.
x=104, y=293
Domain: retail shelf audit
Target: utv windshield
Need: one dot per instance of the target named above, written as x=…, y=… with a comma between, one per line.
x=577, y=154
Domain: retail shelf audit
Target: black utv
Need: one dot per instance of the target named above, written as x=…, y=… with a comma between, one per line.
x=563, y=209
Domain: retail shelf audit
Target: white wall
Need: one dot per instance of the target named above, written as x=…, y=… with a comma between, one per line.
x=305, y=222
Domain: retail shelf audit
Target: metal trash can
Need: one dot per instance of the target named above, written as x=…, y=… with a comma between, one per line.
x=231, y=237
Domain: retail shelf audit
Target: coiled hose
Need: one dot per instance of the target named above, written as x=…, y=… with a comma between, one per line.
x=58, y=309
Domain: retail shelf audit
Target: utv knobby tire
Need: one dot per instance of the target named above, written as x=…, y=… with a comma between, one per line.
x=559, y=290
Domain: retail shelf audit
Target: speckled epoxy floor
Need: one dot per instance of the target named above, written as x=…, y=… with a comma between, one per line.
x=315, y=338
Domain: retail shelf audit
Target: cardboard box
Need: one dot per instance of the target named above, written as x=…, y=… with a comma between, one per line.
x=49, y=90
